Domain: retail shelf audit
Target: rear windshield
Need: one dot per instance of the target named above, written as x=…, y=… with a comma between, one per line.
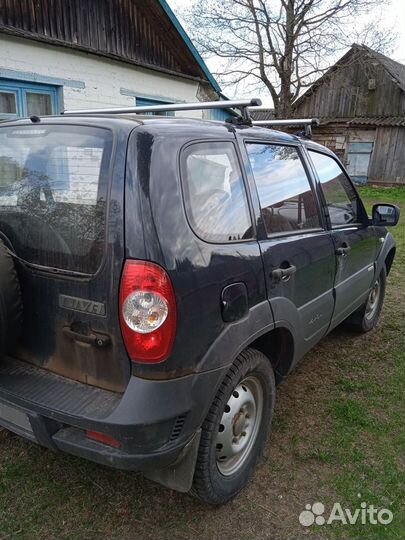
x=53, y=192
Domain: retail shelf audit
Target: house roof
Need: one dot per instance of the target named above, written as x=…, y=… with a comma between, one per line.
x=398, y=121
x=378, y=121
x=395, y=69
x=262, y=114
x=145, y=33
x=197, y=57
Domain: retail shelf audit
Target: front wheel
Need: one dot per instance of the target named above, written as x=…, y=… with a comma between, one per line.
x=366, y=318
x=236, y=428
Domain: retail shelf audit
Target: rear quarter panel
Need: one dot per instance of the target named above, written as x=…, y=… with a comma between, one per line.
x=198, y=270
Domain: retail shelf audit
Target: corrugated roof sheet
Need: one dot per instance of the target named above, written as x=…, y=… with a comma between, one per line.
x=262, y=114
x=383, y=121
x=366, y=121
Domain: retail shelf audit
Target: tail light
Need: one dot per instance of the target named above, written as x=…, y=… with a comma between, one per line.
x=147, y=312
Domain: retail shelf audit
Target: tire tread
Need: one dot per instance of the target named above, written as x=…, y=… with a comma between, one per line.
x=202, y=486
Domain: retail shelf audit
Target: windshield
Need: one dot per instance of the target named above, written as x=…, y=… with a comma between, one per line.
x=53, y=192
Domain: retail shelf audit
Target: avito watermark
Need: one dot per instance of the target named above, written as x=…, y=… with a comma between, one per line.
x=315, y=514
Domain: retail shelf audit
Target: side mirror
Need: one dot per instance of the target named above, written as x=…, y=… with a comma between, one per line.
x=385, y=215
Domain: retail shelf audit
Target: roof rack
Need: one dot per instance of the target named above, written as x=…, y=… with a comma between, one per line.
x=242, y=105
x=308, y=123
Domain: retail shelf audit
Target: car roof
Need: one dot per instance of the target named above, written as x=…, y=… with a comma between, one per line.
x=170, y=124
x=160, y=123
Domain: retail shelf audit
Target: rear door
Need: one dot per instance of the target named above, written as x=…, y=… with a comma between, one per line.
x=56, y=201
x=354, y=240
x=298, y=252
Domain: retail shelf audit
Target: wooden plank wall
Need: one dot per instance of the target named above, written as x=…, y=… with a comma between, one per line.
x=346, y=95
x=388, y=158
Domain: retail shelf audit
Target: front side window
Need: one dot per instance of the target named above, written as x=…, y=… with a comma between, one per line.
x=215, y=196
x=339, y=194
x=285, y=195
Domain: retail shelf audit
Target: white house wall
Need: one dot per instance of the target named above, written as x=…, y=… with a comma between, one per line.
x=87, y=80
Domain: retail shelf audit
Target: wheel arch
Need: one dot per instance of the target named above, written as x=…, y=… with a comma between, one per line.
x=389, y=259
x=278, y=345
x=386, y=254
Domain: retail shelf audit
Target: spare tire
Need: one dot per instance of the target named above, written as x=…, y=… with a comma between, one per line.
x=10, y=302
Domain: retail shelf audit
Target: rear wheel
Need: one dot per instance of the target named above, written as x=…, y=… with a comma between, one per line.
x=366, y=318
x=236, y=428
x=10, y=302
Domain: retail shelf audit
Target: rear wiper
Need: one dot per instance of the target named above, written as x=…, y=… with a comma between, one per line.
x=11, y=251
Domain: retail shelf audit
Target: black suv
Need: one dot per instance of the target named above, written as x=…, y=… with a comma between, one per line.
x=159, y=276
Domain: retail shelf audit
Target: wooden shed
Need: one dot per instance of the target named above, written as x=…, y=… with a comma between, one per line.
x=361, y=104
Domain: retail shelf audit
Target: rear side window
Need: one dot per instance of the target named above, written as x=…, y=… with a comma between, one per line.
x=214, y=192
x=53, y=192
x=339, y=194
x=285, y=195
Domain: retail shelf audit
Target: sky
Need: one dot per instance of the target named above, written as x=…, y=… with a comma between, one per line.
x=391, y=16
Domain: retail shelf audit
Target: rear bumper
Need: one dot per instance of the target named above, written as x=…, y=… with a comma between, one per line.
x=152, y=421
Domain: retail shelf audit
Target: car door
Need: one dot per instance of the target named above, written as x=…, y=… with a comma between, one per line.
x=298, y=252
x=355, y=242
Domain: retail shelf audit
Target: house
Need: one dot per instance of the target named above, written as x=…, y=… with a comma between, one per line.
x=361, y=104
x=68, y=54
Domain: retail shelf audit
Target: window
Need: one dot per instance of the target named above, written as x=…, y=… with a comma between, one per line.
x=220, y=115
x=339, y=194
x=38, y=103
x=145, y=102
x=358, y=160
x=53, y=192
x=8, y=104
x=215, y=195
x=26, y=99
x=285, y=195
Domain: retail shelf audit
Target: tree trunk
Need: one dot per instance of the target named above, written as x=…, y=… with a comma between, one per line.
x=284, y=106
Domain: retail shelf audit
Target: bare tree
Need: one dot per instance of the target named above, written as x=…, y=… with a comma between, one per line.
x=282, y=45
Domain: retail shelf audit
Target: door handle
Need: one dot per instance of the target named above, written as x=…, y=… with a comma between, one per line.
x=343, y=250
x=92, y=338
x=283, y=274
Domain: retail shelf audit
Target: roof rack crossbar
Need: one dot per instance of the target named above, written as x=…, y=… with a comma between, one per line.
x=307, y=123
x=242, y=105
x=288, y=122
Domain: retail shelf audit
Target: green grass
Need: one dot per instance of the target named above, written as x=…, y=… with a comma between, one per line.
x=382, y=194
x=367, y=435
x=338, y=436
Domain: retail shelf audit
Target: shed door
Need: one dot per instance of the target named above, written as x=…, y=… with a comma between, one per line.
x=358, y=160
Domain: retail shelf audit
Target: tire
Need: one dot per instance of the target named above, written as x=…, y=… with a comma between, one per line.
x=10, y=303
x=247, y=395
x=366, y=317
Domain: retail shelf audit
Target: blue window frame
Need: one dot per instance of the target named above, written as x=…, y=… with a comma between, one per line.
x=218, y=114
x=19, y=99
x=147, y=102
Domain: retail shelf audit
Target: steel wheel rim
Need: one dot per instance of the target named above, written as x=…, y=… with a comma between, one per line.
x=373, y=299
x=239, y=425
